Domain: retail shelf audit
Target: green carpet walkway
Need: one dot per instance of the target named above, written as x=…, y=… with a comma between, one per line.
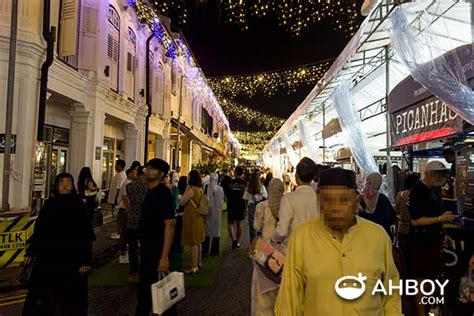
x=116, y=274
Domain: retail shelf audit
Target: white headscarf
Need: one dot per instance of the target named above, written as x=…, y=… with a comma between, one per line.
x=214, y=190
x=372, y=191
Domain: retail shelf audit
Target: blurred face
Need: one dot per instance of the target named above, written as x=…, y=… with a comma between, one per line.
x=338, y=206
x=175, y=178
x=436, y=178
x=65, y=186
x=132, y=175
x=166, y=180
x=153, y=174
x=450, y=158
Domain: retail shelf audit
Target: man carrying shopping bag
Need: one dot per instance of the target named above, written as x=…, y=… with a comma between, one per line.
x=156, y=231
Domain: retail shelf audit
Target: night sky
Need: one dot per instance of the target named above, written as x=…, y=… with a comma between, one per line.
x=225, y=49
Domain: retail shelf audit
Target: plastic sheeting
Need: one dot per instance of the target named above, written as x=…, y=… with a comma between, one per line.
x=308, y=142
x=427, y=64
x=292, y=155
x=277, y=173
x=351, y=128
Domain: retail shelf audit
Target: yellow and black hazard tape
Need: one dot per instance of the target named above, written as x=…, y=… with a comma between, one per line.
x=14, y=238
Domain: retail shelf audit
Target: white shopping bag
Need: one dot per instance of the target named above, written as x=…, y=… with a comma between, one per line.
x=167, y=292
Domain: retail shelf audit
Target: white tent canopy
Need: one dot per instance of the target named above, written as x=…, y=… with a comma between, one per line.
x=367, y=63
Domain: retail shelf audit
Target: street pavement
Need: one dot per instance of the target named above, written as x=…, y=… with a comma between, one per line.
x=229, y=294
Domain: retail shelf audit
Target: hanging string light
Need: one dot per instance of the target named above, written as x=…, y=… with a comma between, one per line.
x=234, y=110
x=294, y=16
x=269, y=83
x=254, y=137
x=181, y=55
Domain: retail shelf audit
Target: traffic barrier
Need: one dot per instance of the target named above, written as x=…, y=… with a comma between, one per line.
x=15, y=234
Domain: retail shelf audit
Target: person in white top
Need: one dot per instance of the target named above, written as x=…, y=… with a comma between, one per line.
x=299, y=206
x=254, y=194
x=122, y=203
x=264, y=291
x=115, y=185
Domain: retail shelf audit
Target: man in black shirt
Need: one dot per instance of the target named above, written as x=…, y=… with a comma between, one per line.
x=225, y=180
x=424, y=244
x=236, y=206
x=156, y=231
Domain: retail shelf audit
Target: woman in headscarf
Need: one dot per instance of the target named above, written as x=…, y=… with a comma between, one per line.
x=61, y=253
x=264, y=291
x=215, y=194
x=375, y=206
x=88, y=190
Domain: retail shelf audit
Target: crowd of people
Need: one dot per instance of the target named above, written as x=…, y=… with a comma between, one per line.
x=325, y=223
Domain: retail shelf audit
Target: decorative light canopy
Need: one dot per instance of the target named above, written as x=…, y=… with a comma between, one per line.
x=269, y=83
x=295, y=16
x=180, y=55
x=253, y=142
x=243, y=113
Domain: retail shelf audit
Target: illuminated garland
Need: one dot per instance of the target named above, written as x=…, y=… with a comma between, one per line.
x=255, y=138
x=269, y=83
x=181, y=55
x=240, y=112
x=294, y=16
x=146, y=13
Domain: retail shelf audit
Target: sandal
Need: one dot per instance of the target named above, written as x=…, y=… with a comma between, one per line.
x=191, y=270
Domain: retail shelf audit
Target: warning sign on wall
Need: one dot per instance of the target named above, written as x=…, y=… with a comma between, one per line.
x=14, y=235
x=13, y=240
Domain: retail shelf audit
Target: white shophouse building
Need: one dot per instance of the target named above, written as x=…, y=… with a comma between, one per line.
x=96, y=106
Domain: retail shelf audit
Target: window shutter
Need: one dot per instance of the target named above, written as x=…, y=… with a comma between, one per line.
x=89, y=20
x=110, y=46
x=129, y=62
x=68, y=36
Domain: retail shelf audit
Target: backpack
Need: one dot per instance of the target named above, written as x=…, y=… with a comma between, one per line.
x=203, y=207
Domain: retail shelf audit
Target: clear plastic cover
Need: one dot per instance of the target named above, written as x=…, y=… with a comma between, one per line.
x=355, y=138
x=292, y=155
x=423, y=56
x=277, y=173
x=308, y=142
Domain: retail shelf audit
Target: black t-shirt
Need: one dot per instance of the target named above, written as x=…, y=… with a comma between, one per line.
x=225, y=183
x=425, y=202
x=157, y=207
x=235, y=193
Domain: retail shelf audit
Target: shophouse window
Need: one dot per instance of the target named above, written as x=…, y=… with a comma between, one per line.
x=113, y=47
x=158, y=99
x=68, y=32
x=130, y=47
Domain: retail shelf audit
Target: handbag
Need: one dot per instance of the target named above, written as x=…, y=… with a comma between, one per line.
x=203, y=207
x=167, y=291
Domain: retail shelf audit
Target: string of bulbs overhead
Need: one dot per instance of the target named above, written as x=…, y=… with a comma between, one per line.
x=295, y=16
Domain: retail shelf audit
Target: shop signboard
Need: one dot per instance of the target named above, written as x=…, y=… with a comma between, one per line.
x=417, y=115
x=426, y=120
x=465, y=181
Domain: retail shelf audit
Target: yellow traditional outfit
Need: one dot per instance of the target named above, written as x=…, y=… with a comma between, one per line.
x=316, y=259
x=193, y=223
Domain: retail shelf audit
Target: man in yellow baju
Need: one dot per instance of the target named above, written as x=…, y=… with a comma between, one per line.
x=338, y=245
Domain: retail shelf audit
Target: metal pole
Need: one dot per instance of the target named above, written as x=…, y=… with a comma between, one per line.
x=9, y=114
x=324, y=138
x=178, y=142
x=387, y=92
x=472, y=23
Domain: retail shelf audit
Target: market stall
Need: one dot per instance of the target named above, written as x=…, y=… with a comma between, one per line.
x=422, y=127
